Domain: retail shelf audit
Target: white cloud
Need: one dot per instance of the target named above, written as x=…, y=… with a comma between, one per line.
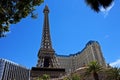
x=116, y=63
x=105, y=11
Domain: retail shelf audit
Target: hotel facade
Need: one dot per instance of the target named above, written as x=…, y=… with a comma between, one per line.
x=12, y=71
x=91, y=52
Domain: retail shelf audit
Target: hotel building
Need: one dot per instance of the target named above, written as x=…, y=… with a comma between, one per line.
x=12, y=71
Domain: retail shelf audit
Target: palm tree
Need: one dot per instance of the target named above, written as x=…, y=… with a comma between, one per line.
x=94, y=68
x=97, y=4
x=113, y=73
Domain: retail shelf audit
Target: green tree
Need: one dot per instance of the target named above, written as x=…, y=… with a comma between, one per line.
x=75, y=77
x=12, y=11
x=97, y=4
x=93, y=68
x=45, y=77
x=113, y=73
x=66, y=78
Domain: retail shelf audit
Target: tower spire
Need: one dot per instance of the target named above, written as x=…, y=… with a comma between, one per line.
x=46, y=39
x=46, y=54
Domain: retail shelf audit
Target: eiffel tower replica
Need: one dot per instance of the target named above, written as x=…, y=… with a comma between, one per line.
x=47, y=61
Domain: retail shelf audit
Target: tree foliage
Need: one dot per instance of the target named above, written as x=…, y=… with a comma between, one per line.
x=45, y=77
x=113, y=73
x=66, y=78
x=94, y=68
x=75, y=77
x=97, y=4
x=12, y=11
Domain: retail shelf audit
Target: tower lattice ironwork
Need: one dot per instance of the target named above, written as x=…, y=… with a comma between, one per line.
x=46, y=54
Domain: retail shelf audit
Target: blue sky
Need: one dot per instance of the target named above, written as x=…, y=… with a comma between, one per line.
x=72, y=25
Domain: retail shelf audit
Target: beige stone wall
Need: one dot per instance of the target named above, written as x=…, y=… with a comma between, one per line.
x=65, y=62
